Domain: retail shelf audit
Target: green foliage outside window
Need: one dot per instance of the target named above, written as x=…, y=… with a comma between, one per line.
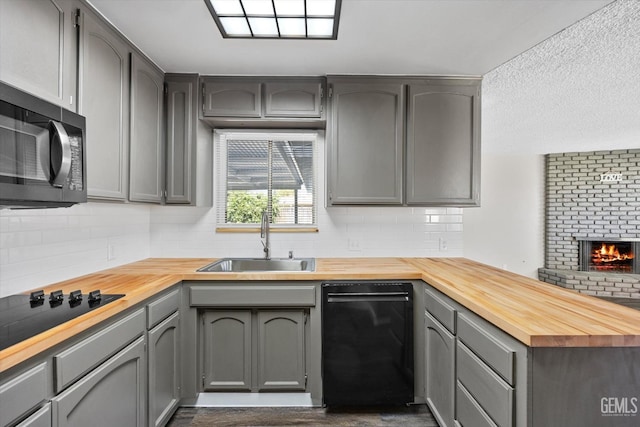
x=247, y=208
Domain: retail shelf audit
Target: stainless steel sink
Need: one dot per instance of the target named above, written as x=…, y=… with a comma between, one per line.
x=239, y=265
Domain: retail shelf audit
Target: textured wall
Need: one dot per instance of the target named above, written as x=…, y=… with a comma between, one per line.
x=580, y=206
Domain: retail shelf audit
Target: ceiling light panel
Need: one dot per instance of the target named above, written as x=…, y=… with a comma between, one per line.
x=279, y=19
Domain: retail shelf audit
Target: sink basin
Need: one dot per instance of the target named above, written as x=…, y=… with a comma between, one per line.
x=239, y=265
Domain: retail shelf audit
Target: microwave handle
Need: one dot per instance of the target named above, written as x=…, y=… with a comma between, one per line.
x=63, y=169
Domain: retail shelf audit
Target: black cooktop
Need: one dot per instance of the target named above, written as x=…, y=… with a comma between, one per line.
x=24, y=316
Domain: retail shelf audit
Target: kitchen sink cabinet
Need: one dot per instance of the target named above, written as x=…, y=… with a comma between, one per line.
x=227, y=346
x=37, y=40
x=365, y=142
x=104, y=101
x=146, y=166
x=373, y=161
x=111, y=395
x=254, y=350
x=443, y=143
x=181, y=132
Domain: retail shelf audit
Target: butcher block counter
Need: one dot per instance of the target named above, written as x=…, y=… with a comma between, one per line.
x=535, y=313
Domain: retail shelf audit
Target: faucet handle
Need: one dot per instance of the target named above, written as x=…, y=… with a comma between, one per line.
x=290, y=254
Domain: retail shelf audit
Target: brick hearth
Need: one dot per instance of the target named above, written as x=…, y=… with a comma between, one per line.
x=580, y=206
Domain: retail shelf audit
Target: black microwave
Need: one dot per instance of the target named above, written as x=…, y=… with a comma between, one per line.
x=42, y=153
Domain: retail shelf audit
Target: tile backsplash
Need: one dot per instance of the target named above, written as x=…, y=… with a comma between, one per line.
x=40, y=247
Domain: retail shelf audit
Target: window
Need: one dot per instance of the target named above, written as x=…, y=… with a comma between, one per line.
x=262, y=170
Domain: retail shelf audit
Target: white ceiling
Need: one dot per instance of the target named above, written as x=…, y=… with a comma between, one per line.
x=469, y=37
x=547, y=88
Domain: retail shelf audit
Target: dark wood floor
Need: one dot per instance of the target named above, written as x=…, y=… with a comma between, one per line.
x=415, y=415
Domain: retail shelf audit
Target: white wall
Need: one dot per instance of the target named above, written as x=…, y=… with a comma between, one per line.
x=507, y=231
x=39, y=247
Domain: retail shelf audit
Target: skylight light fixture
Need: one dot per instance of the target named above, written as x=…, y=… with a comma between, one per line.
x=276, y=19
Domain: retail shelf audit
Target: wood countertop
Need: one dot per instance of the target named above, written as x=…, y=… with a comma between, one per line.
x=536, y=313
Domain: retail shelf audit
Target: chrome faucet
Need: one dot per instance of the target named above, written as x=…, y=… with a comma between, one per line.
x=264, y=234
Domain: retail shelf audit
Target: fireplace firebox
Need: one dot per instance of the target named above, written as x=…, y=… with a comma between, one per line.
x=610, y=256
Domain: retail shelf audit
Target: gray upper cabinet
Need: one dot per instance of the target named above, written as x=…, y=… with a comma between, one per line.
x=443, y=143
x=371, y=161
x=104, y=101
x=297, y=98
x=232, y=98
x=146, y=171
x=366, y=140
x=38, y=39
x=181, y=127
x=291, y=102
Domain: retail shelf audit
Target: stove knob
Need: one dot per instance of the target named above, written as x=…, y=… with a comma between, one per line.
x=36, y=297
x=75, y=296
x=56, y=297
x=94, y=296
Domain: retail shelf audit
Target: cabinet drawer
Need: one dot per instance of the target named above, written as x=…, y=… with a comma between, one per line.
x=80, y=358
x=259, y=295
x=42, y=418
x=485, y=340
x=23, y=393
x=439, y=306
x=162, y=308
x=487, y=388
x=468, y=411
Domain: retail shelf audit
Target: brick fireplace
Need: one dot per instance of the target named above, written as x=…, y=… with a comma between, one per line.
x=593, y=197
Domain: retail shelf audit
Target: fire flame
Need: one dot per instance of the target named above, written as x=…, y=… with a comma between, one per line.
x=610, y=253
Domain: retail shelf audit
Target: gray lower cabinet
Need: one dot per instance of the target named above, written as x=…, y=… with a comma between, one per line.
x=37, y=41
x=21, y=394
x=440, y=353
x=227, y=350
x=443, y=143
x=254, y=350
x=146, y=166
x=104, y=101
x=281, y=350
x=42, y=418
x=164, y=370
x=113, y=394
x=365, y=142
x=181, y=128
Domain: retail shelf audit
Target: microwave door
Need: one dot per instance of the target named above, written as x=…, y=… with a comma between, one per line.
x=24, y=152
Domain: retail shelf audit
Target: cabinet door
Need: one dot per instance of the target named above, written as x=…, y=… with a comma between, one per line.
x=443, y=144
x=164, y=370
x=227, y=350
x=366, y=136
x=104, y=101
x=439, y=373
x=37, y=41
x=146, y=168
x=181, y=133
x=113, y=394
x=232, y=99
x=281, y=350
x=293, y=99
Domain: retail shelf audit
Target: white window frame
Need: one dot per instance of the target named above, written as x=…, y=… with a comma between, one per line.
x=220, y=137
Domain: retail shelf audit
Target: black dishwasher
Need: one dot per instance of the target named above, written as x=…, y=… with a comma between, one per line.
x=367, y=343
